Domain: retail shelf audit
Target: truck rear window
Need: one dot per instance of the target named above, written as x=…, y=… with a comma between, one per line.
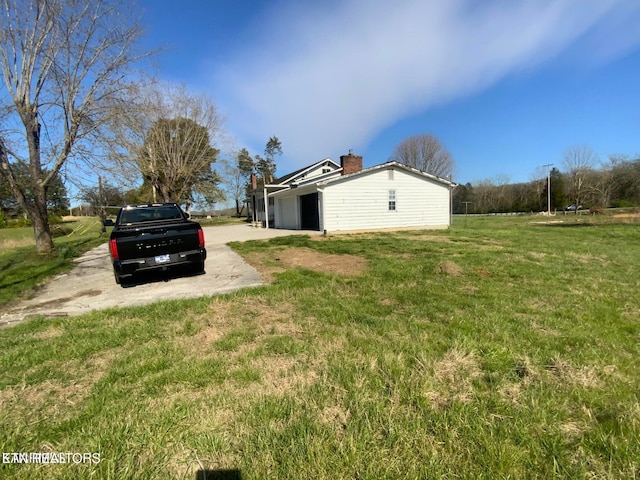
x=152, y=214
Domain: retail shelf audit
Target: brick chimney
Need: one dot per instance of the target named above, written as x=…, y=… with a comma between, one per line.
x=350, y=163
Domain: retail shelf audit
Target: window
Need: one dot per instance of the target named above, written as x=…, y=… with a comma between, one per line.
x=147, y=214
x=392, y=200
x=326, y=170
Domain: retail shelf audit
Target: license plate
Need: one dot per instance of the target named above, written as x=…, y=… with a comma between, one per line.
x=163, y=259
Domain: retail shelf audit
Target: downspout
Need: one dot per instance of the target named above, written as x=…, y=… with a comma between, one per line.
x=450, y=200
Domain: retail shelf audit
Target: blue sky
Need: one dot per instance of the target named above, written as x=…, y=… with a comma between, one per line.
x=507, y=85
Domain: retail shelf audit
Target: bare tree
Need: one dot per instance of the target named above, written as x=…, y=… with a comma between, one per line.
x=169, y=142
x=426, y=153
x=236, y=183
x=63, y=61
x=485, y=196
x=578, y=162
x=601, y=185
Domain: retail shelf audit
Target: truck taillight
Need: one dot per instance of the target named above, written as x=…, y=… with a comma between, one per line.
x=201, y=238
x=113, y=248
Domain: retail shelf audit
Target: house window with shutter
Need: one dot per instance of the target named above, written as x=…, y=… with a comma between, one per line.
x=392, y=200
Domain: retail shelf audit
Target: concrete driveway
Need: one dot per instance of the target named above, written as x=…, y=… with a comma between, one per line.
x=91, y=285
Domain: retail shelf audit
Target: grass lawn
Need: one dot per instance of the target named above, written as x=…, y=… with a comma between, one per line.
x=497, y=349
x=22, y=268
x=216, y=221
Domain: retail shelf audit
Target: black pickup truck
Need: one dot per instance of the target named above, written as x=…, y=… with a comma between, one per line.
x=154, y=237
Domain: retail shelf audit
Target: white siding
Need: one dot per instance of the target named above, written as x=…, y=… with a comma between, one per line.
x=362, y=202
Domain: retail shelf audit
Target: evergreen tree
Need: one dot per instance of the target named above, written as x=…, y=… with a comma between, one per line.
x=266, y=166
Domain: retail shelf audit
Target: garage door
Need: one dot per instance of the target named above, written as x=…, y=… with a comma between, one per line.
x=309, y=217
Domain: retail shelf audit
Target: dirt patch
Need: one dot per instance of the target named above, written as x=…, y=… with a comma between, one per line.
x=483, y=272
x=322, y=262
x=276, y=261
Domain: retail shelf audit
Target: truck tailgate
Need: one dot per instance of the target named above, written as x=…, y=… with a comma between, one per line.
x=142, y=242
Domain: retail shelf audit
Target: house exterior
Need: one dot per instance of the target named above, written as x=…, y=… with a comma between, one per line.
x=318, y=171
x=333, y=198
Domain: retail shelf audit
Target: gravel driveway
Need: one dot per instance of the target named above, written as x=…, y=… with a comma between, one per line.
x=91, y=286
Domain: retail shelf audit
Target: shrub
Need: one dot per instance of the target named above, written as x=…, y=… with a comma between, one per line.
x=596, y=210
x=19, y=222
x=622, y=204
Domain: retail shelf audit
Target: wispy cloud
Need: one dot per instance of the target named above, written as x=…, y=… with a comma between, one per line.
x=329, y=78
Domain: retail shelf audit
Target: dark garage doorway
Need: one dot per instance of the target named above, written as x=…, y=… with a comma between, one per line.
x=309, y=217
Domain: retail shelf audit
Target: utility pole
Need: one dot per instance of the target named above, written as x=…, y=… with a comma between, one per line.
x=102, y=203
x=548, y=165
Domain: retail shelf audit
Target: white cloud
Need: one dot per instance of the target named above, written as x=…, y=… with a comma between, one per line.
x=328, y=79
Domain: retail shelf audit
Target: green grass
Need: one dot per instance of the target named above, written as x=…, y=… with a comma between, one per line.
x=497, y=349
x=22, y=268
x=216, y=221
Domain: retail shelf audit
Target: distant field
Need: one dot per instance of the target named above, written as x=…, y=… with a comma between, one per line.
x=502, y=348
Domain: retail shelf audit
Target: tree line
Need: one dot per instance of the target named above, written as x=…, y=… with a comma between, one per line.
x=580, y=182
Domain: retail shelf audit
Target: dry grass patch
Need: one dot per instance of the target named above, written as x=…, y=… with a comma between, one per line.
x=449, y=268
x=279, y=375
x=453, y=376
x=587, y=259
x=585, y=376
x=627, y=217
x=224, y=315
x=573, y=430
x=51, y=332
x=336, y=417
x=426, y=237
x=544, y=329
x=13, y=243
x=53, y=398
